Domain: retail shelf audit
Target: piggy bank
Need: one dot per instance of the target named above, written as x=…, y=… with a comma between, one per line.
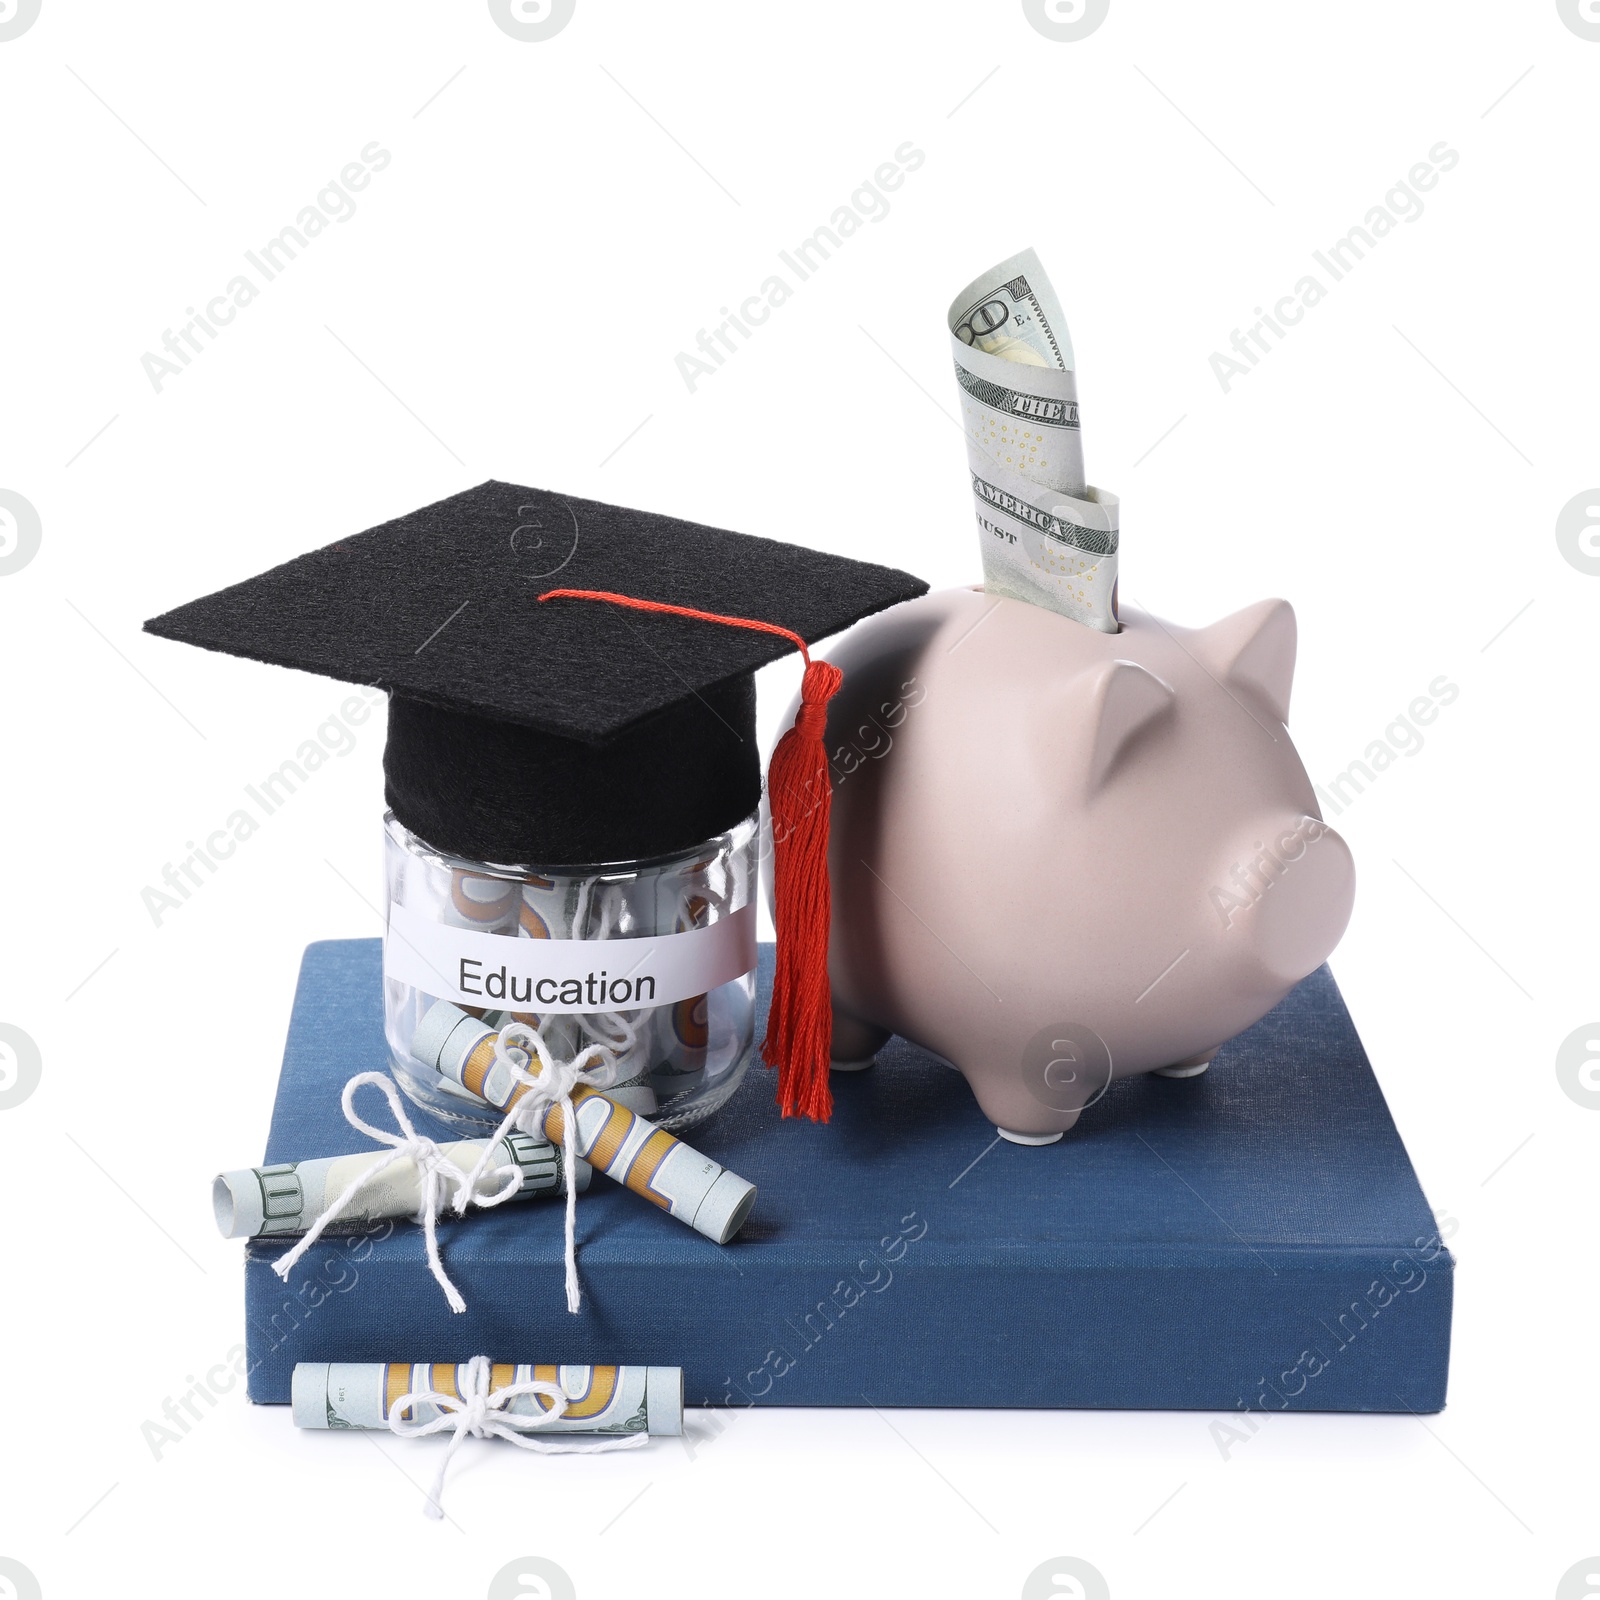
x=1059, y=856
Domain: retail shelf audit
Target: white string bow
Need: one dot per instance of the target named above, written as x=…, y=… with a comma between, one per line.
x=435, y=1171
x=482, y=1413
x=594, y=1068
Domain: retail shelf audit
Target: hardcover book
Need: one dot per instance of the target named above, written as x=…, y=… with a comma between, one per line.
x=1254, y=1238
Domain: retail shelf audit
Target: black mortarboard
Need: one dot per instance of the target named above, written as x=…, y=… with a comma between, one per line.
x=560, y=733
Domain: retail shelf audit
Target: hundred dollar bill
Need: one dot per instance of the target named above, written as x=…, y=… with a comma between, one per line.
x=599, y=1399
x=1047, y=536
x=631, y=1151
x=288, y=1197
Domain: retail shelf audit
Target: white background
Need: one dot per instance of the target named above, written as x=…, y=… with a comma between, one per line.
x=558, y=221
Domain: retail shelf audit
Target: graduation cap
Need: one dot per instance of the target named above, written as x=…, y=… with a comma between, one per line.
x=572, y=683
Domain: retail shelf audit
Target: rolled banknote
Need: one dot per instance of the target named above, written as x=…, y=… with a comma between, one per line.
x=628, y=1149
x=599, y=1399
x=478, y=901
x=288, y=1197
x=1047, y=536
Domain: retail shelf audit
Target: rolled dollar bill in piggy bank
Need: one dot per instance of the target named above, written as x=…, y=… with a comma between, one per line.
x=1061, y=856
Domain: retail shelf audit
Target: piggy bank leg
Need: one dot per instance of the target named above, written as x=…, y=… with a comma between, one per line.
x=1029, y=1138
x=1018, y=1113
x=1190, y=1066
x=855, y=1043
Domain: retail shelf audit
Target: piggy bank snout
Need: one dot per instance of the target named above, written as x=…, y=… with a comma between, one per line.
x=1289, y=894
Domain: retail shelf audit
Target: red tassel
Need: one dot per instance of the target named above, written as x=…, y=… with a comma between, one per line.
x=799, y=1037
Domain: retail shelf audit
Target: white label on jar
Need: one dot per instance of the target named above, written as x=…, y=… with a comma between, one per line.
x=498, y=970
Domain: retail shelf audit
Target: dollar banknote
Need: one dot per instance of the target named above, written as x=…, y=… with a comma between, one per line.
x=288, y=1197
x=1047, y=536
x=611, y=1400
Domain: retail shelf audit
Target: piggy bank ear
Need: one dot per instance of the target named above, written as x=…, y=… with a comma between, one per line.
x=1125, y=699
x=1254, y=650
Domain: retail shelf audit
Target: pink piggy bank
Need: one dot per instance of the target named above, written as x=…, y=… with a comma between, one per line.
x=1060, y=856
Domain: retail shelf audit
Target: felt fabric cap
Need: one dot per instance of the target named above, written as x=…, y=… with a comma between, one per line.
x=548, y=734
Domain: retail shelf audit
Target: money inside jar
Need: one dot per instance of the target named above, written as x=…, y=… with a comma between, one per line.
x=673, y=1058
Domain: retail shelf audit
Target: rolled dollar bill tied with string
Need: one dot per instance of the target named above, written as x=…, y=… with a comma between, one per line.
x=623, y=1145
x=1047, y=536
x=609, y=1400
x=289, y=1196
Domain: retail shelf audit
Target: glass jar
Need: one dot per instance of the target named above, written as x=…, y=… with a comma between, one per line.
x=456, y=930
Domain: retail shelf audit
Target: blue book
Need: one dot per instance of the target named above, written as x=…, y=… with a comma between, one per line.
x=1253, y=1238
